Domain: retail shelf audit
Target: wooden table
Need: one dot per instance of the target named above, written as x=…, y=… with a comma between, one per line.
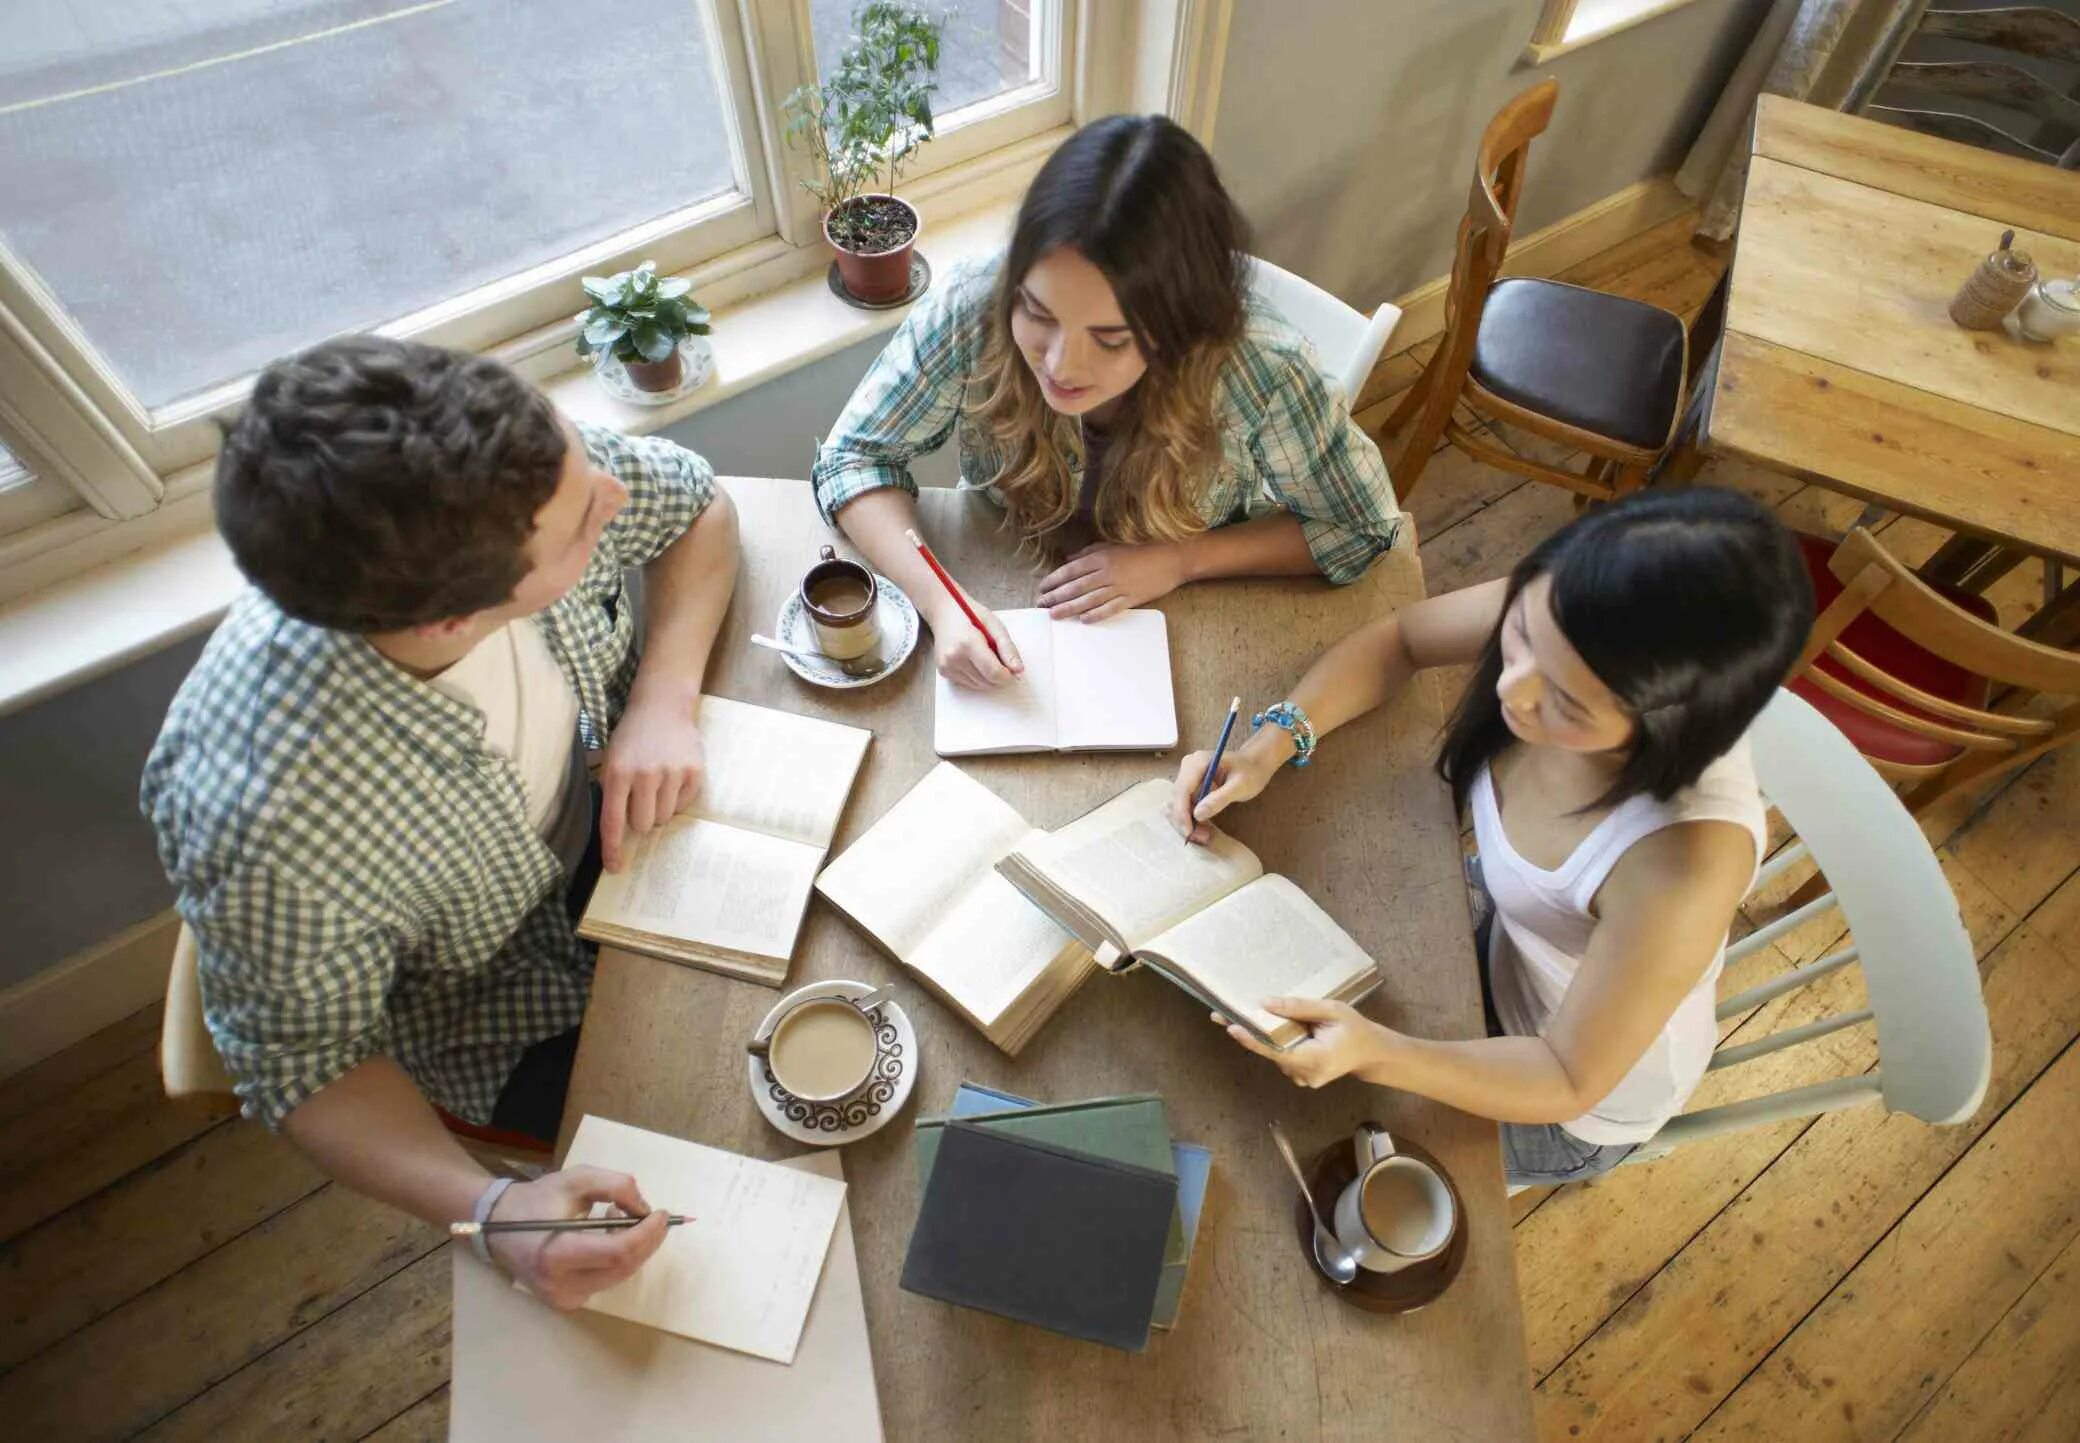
x=1840, y=362
x=1261, y=1349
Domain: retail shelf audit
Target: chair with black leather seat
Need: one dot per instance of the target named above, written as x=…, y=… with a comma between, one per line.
x=1597, y=373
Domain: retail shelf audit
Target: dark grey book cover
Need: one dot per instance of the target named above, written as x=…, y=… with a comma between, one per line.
x=1042, y=1234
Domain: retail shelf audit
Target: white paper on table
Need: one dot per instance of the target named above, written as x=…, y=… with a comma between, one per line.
x=741, y=1274
x=523, y=1370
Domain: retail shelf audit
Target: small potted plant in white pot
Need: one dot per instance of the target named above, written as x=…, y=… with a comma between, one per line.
x=640, y=321
x=868, y=117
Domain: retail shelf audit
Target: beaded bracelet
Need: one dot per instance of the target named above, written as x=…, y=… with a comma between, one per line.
x=1289, y=715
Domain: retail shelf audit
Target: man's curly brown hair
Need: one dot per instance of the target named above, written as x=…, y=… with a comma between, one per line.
x=373, y=484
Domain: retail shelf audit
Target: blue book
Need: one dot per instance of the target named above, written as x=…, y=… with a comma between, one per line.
x=1194, y=1166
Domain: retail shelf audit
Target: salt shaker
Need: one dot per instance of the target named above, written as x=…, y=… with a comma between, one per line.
x=1995, y=289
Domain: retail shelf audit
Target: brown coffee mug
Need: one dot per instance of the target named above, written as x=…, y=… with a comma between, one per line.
x=842, y=601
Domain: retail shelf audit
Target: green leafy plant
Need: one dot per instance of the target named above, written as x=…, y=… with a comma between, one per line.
x=871, y=113
x=637, y=317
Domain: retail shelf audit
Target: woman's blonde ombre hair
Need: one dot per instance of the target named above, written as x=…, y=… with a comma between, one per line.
x=1139, y=198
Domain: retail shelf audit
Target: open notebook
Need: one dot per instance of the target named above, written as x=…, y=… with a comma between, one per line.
x=922, y=883
x=724, y=885
x=1088, y=686
x=1209, y=919
x=525, y=1370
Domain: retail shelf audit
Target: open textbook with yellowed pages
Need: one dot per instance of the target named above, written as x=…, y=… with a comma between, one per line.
x=1209, y=919
x=724, y=886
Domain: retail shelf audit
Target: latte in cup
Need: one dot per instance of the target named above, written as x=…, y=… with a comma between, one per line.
x=822, y=1050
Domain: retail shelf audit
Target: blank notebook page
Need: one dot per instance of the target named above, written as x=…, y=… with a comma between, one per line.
x=1015, y=717
x=1112, y=684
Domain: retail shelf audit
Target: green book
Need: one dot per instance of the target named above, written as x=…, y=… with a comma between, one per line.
x=1130, y=1129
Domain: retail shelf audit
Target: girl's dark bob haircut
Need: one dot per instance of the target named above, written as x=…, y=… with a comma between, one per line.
x=1690, y=605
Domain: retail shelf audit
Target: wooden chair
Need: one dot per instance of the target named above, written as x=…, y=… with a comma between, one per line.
x=1974, y=78
x=1935, y=1050
x=1595, y=372
x=1908, y=672
x=194, y=1076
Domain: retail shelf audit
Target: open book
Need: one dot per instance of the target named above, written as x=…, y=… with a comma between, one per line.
x=1088, y=686
x=921, y=883
x=1209, y=919
x=724, y=885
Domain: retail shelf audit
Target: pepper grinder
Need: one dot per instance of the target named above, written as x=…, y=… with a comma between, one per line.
x=1995, y=289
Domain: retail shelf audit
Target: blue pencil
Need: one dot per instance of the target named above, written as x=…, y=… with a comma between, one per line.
x=1213, y=767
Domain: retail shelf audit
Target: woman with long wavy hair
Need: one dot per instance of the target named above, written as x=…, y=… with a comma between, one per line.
x=1141, y=418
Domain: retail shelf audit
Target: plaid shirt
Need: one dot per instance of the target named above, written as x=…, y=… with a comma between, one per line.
x=1288, y=442
x=358, y=870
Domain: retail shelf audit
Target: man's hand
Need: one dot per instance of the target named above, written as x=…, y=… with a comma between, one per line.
x=654, y=765
x=1340, y=1041
x=564, y=1269
x=1106, y=578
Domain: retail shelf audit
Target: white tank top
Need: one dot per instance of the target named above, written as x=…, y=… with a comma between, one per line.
x=1543, y=923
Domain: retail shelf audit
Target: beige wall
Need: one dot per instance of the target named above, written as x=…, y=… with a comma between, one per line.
x=1347, y=128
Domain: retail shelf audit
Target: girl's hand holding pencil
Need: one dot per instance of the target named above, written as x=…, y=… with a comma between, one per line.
x=1240, y=774
x=973, y=648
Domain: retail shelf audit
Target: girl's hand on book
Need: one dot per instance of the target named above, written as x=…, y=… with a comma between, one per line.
x=1340, y=1040
x=1244, y=772
x=564, y=1269
x=964, y=657
x=1105, y=579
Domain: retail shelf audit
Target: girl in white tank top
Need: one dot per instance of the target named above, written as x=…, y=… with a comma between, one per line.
x=1599, y=748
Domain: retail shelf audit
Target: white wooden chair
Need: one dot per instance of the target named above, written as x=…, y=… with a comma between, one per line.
x=1349, y=344
x=1935, y=1051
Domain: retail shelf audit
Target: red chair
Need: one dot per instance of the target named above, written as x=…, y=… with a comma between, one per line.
x=1908, y=672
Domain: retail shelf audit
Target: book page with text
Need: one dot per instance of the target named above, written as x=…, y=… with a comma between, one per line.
x=1270, y=939
x=776, y=771
x=1126, y=862
x=1112, y=684
x=694, y=880
x=932, y=846
x=1015, y=717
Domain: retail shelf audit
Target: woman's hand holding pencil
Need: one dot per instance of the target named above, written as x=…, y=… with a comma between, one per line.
x=973, y=648
x=1210, y=782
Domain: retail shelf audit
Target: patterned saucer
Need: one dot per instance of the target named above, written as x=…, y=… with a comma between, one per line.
x=896, y=617
x=832, y=1124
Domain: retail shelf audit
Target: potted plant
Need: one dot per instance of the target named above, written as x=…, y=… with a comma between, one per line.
x=640, y=320
x=869, y=115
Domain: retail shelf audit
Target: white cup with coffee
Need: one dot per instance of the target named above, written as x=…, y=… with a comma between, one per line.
x=822, y=1049
x=843, y=602
x=1398, y=1210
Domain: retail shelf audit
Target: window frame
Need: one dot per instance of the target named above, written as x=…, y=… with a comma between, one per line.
x=1549, y=37
x=141, y=475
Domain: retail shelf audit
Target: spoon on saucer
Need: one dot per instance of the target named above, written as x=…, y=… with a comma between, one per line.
x=806, y=653
x=1329, y=1254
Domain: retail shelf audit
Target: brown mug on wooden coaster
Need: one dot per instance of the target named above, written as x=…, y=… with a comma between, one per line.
x=842, y=601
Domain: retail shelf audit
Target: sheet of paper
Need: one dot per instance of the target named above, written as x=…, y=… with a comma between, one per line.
x=705, y=882
x=777, y=771
x=928, y=849
x=524, y=1370
x=991, y=945
x=741, y=1274
x=1112, y=684
x=1268, y=940
x=1127, y=863
x=1018, y=716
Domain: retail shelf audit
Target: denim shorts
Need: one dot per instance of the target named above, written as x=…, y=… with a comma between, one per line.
x=1534, y=1154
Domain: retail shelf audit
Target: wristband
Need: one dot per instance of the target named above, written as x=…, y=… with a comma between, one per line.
x=481, y=1214
x=1289, y=715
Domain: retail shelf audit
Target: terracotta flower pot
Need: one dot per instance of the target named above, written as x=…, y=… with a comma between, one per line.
x=883, y=275
x=654, y=375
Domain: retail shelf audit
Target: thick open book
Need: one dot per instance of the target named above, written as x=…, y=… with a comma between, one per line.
x=1088, y=686
x=922, y=883
x=724, y=885
x=1209, y=919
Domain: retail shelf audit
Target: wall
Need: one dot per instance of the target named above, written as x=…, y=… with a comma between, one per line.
x=1347, y=128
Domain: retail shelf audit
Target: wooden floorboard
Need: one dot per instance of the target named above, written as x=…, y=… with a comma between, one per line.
x=1860, y=1276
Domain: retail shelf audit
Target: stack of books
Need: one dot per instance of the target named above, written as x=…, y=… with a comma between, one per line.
x=1079, y=1217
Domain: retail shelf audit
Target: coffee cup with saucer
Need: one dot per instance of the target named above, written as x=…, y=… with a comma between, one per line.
x=845, y=1073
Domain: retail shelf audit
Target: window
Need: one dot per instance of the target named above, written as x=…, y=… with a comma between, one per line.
x=1566, y=25
x=187, y=191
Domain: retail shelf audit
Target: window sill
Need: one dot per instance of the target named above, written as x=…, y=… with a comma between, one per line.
x=1539, y=52
x=179, y=582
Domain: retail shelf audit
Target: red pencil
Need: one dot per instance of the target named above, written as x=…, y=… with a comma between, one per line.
x=955, y=592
